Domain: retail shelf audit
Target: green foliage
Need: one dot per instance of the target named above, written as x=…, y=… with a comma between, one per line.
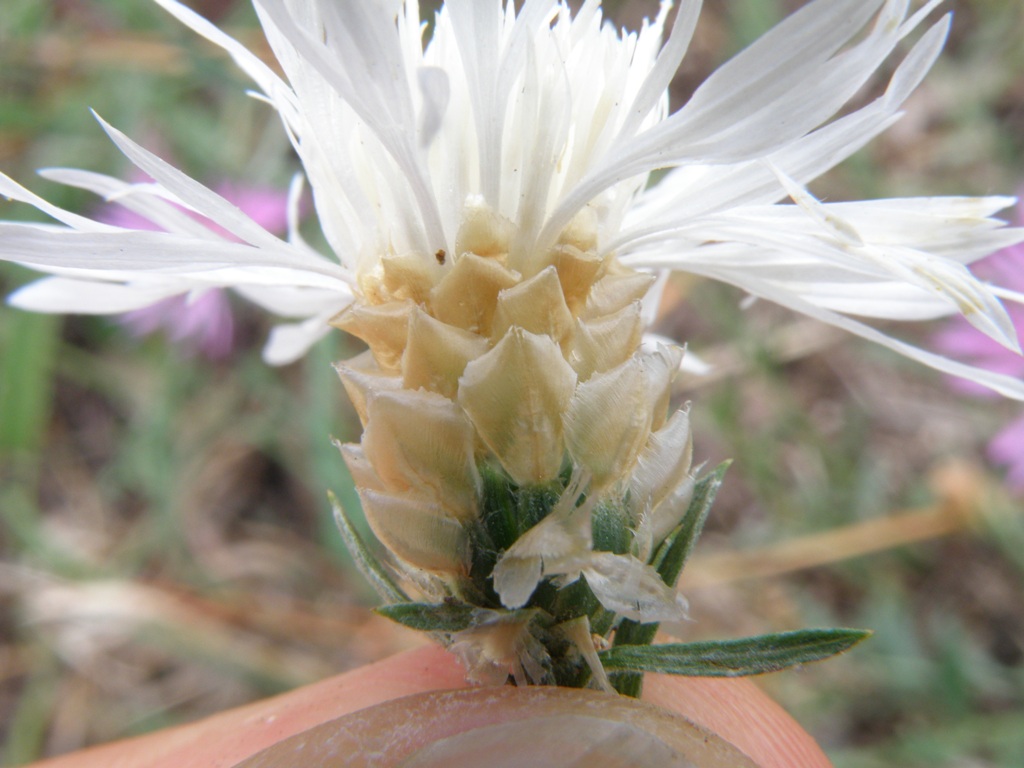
x=451, y=616
x=27, y=353
x=367, y=563
x=611, y=530
x=508, y=510
x=734, y=658
x=677, y=547
x=669, y=561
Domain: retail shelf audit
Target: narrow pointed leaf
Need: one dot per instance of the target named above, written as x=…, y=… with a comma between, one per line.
x=734, y=658
x=669, y=561
x=368, y=565
x=674, y=552
x=431, y=617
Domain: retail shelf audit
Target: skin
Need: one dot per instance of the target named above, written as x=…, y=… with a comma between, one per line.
x=735, y=709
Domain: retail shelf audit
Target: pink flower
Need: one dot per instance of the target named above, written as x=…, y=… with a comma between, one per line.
x=1007, y=449
x=202, y=322
x=1005, y=268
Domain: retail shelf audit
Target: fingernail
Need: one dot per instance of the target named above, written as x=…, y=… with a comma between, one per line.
x=505, y=728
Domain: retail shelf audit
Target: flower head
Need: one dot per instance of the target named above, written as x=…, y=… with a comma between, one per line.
x=496, y=243
x=529, y=127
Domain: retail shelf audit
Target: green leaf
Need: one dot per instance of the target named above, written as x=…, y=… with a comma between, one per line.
x=675, y=550
x=431, y=617
x=669, y=561
x=734, y=658
x=365, y=561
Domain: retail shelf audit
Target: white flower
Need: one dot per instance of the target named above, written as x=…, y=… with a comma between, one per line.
x=546, y=125
x=497, y=246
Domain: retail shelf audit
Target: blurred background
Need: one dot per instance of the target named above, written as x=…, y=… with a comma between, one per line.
x=166, y=547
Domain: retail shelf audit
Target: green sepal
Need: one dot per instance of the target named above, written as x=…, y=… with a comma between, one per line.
x=610, y=528
x=364, y=559
x=668, y=561
x=733, y=658
x=674, y=551
x=508, y=510
x=449, y=616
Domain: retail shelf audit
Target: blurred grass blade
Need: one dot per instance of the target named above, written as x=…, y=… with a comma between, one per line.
x=29, y=716
x=734, y=658
x=27, y=359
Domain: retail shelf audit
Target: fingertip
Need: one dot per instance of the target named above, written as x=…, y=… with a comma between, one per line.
x=742, y=714
x=736, y=710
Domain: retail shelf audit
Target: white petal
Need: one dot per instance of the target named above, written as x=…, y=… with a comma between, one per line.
x=290, y=341
x=689, y=191
x=436, y=91
x=664, y=69
x=1005, y=385
x=291, y=301
x=62, y=294
x=193, y=194
x=778, y=90
x=492, y=62
x=899, y=259
x=142, y=251
x=11, y=189
x=362, y=64
x=253, y=66
x=947, y=278
x=137, y=198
